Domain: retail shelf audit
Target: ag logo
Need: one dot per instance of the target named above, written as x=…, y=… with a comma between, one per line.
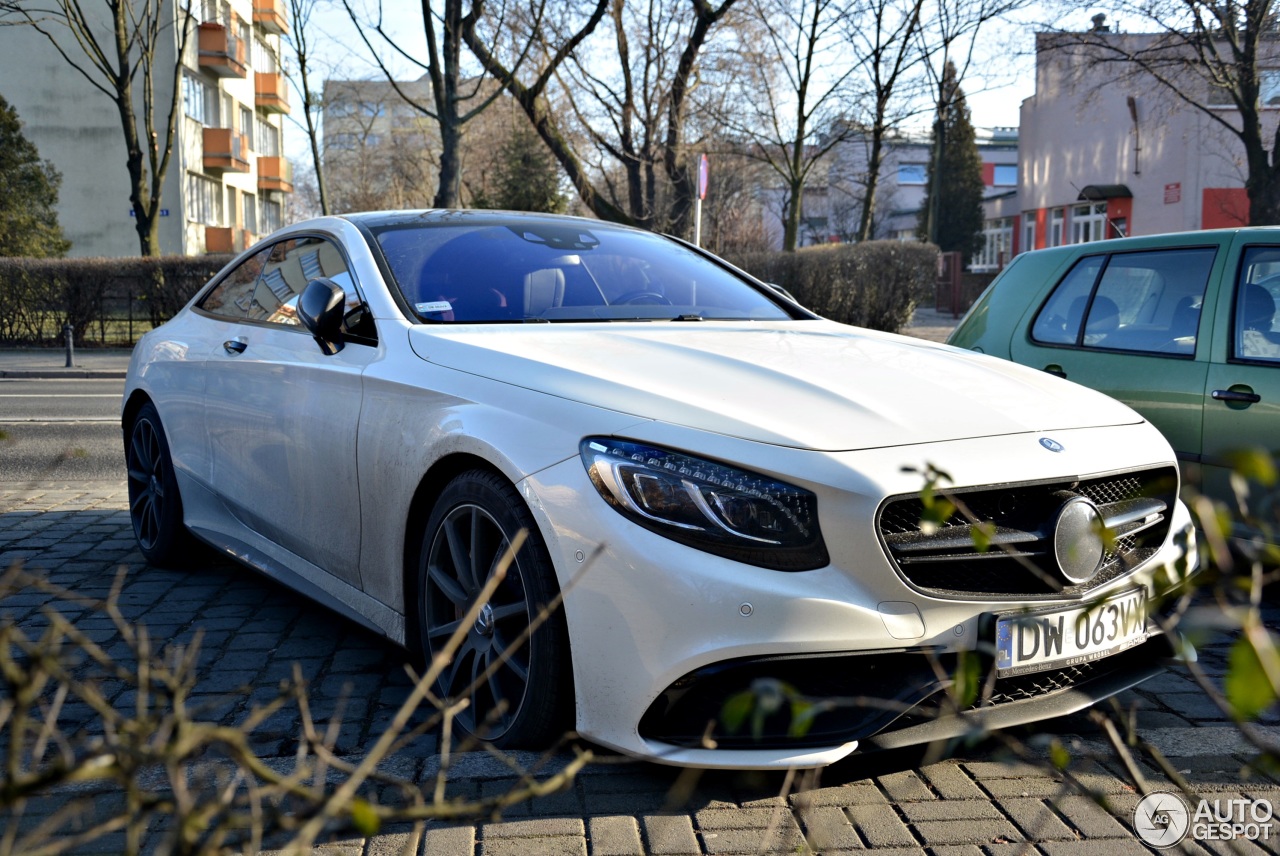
x=1161, y=819
x=1051, y=445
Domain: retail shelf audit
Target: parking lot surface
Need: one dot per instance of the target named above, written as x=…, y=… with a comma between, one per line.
x=77, y=535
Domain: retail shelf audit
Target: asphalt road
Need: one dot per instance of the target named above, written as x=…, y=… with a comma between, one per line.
x=59, y=430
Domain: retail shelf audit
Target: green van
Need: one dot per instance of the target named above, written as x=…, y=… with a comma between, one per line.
x=1184, y=328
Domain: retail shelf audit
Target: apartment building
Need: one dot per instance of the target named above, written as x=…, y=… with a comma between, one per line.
x=833, y=202
x=228, y=177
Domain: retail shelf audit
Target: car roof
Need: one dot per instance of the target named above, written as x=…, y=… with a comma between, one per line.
x=471, y=217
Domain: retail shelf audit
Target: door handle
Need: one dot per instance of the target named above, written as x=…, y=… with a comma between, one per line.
x=1055, y=370
x=234, y=346
x=1235, y=395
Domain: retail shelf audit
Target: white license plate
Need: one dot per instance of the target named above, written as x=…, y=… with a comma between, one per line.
x=1033, y=642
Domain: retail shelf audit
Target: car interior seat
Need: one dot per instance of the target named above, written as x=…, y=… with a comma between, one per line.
x=1186, y=318
x=1104, y=320
x=543, y=290
x=1259, y=310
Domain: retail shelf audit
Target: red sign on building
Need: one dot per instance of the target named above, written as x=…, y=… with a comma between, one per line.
x=1173, y=193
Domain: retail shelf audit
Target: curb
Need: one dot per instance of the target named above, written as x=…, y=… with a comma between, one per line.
x=32, y=374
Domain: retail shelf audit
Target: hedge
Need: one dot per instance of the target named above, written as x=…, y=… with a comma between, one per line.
x=108, y=301
x=875, y=284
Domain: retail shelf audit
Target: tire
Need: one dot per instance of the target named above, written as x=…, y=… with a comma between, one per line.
x=155, y=507
x=526, y=702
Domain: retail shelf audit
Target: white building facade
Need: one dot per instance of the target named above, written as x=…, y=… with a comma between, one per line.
x=228, y=176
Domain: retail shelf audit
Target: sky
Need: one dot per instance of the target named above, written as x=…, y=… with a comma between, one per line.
x=994, y=95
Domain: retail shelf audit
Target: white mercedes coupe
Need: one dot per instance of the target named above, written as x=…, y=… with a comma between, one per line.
x=728, y=491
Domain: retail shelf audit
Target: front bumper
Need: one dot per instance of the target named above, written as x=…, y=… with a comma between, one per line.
x=645, y=613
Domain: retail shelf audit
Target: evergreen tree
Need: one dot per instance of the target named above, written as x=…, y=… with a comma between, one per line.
x=527, y=177
x=953, y=192
x=28, y=221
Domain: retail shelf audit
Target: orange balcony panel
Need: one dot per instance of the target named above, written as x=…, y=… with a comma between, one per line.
x=270, y=16
x=219, y=239
x=275, y=174
x=271, y=91
x=221, y=52
x=225, y=150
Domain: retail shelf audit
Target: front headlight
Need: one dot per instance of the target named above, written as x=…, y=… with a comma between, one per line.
x=723, y=510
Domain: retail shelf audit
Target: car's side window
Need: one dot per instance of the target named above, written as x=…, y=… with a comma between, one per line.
x=1255, y=332
x=1059, y=321
x=291, y=265
x=1148, y=302
x=232, y=297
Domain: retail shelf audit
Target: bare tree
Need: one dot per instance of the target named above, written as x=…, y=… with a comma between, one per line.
x=453, y=100
x=1204, y=54
x=950, y=37
x=376, y=155
x=882, y=35
x=118, y=49
x=298, y=40
x=796, y=96
x=621, y=135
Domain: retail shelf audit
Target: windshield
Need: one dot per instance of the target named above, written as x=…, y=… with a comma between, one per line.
x=560, y=271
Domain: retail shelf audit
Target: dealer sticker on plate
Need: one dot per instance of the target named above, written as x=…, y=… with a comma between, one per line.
x=1035, y=641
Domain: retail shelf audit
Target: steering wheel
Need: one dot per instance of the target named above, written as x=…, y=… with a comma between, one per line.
x=649, y=298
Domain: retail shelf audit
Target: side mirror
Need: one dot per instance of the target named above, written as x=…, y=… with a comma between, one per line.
x=320, y=309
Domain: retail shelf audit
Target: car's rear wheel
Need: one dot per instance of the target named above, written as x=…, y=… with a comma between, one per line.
x=519, y=690
x=155, y=507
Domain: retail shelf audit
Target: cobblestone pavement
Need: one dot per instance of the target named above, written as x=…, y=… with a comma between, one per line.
x=255, y=631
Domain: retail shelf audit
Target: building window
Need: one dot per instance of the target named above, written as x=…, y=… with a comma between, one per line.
x=264, y=59
x=250, y=213
x=246, y=126
x=268, y=139
x=204, y=200
x=342, y=141
x=1057, y=227
x=1089, y=223
x=272, y=216
x=195, y=98
x=1028, y=231
x=1269, y=87
x=912, y=173
x=997, y=244
x=1006, y=175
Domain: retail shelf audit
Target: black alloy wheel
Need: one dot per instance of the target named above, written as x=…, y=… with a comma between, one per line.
x=155, y=508
x=517, y=689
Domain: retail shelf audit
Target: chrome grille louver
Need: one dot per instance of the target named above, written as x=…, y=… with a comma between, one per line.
x=1135, y=508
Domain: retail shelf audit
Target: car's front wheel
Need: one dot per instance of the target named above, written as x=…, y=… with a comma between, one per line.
x=518, y=684
x=155, y=508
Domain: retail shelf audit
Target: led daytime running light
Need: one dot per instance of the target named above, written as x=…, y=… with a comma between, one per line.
x=715, y=507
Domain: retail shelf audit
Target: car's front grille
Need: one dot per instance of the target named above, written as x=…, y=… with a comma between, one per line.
x=1000, y=540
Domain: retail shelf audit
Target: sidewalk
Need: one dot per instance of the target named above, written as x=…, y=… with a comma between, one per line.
x=980, y=802
x=52, y=363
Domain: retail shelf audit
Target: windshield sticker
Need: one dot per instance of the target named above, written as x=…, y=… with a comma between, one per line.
x=433, y=306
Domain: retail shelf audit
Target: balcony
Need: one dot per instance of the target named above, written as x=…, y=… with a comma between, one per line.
x=221, y=52
x=271, y=91
x=226, y=239
x=271, y=17
x=275, y=174
x=225, y=150
x=219, y=239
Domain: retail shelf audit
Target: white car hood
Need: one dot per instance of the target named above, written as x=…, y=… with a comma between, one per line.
x=802, y=384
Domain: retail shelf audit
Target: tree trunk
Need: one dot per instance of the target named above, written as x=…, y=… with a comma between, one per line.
x=875, y=159
x=1264, y=197
x=791, y=220
x=450, y=168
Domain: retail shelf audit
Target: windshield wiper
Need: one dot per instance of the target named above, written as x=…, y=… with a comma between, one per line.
x=691, y=317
